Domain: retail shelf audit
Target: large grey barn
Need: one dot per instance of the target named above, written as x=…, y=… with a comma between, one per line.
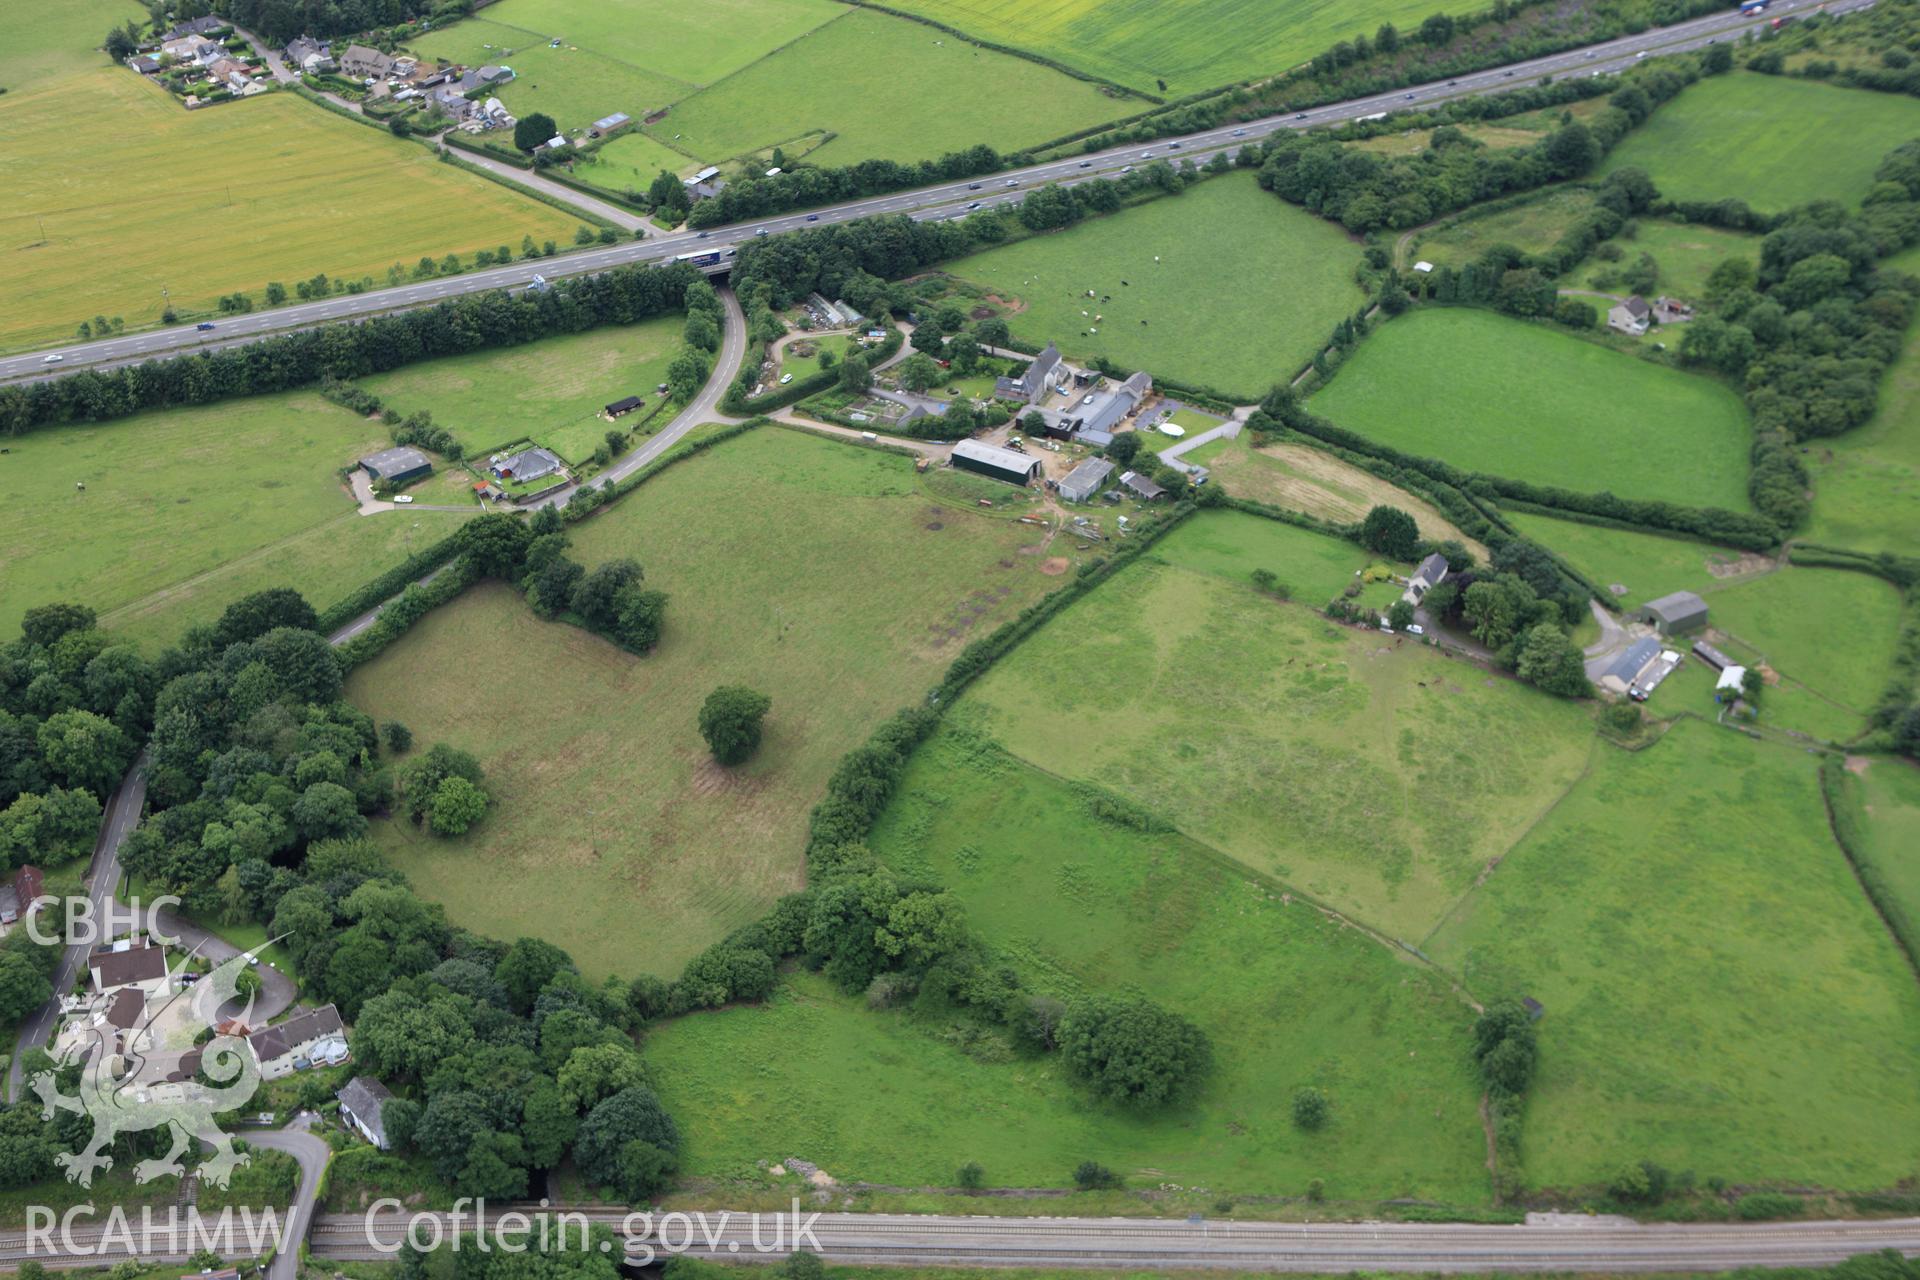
x=1001, y=464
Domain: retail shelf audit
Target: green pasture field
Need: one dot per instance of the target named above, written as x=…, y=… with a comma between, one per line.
x=185, y=510
x=574, y=85
x=890, y=89
x=1829, y=633
x=1769, y=140
x=1532, y=227
x=631, y=161
x=1353, y=767
x=803, y=567
x=1189, y=44
x=1709, y=969
x=1886, y=796
x=692, y=44
x=1685, y=254
x=1197, y=314
x=1523, y=401
x=1081, y=904
x=282, y=191
x=550, y=391
x=1866, y=483
x=1302, y=478
x=1496, y=137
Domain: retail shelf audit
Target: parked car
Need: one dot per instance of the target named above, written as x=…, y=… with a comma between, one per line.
x=205, y=326
x=785, y=378
x=1415, y=629
x=404, y=499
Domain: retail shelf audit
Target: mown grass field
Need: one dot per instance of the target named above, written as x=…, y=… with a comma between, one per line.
x=1198, y=314
x=278, y=191
x=939, y=94
x=1188, y=44
x=1532, y=227
x=802, y=567
x=1302, y=478
x=574, y=85
x=1288, y=996
x=1507, y=398
x=1686, y=256
x=1886, y=794
x=40, y=43
x=1829, y=633
x=1768, y=140
x=1365, y=771
x=551, y=391
x=1866, y=483
x=185, y=510
x=1648, y=913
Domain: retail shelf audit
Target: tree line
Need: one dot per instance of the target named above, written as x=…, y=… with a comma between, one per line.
x=356, y=349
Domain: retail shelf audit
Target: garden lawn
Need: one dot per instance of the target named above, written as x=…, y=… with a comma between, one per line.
x=281, y=192
x=1198, y=314
x=1686, y=256
x=889, y=88
x=185, y=510
x=1866, y=483
x=1082, y=904
x=1772, y=141
x=1648, y=913
x=1886, y=795
x=1368, y=772
x=1189, y=44
x=1532, y=227
x=550, y=391
x=1302, y=478
x=1526, y=402
x=1829, y=633
x=800, y=566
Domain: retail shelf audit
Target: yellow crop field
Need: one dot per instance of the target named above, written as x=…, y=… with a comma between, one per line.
x=115, y=193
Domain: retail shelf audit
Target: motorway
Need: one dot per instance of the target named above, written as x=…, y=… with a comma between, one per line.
x=943, y=201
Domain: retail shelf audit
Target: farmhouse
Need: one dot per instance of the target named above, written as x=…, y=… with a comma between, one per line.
x=1672, y=614
x=1036, y=383
x=1085, y=480
x=362, y=1103
x=19, y=896
x=300, y=48
x=1430, y=573
x=1630, y=317
x=291, y=1045
x=397, y=465
x=361, y=61
x=623, y=406
x=1000, y=464
x=607, y=126
x=1145, y=489
x=529, y=464
x=129, y=963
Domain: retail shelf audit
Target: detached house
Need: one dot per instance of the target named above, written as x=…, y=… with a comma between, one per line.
x=135, y=962
x=360, y=62
x=1631, y=317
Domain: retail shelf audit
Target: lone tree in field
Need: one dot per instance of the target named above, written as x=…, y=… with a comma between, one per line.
x=1391, y=532
x=730, y=722
x=1132, y=1052
x=530, y=131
